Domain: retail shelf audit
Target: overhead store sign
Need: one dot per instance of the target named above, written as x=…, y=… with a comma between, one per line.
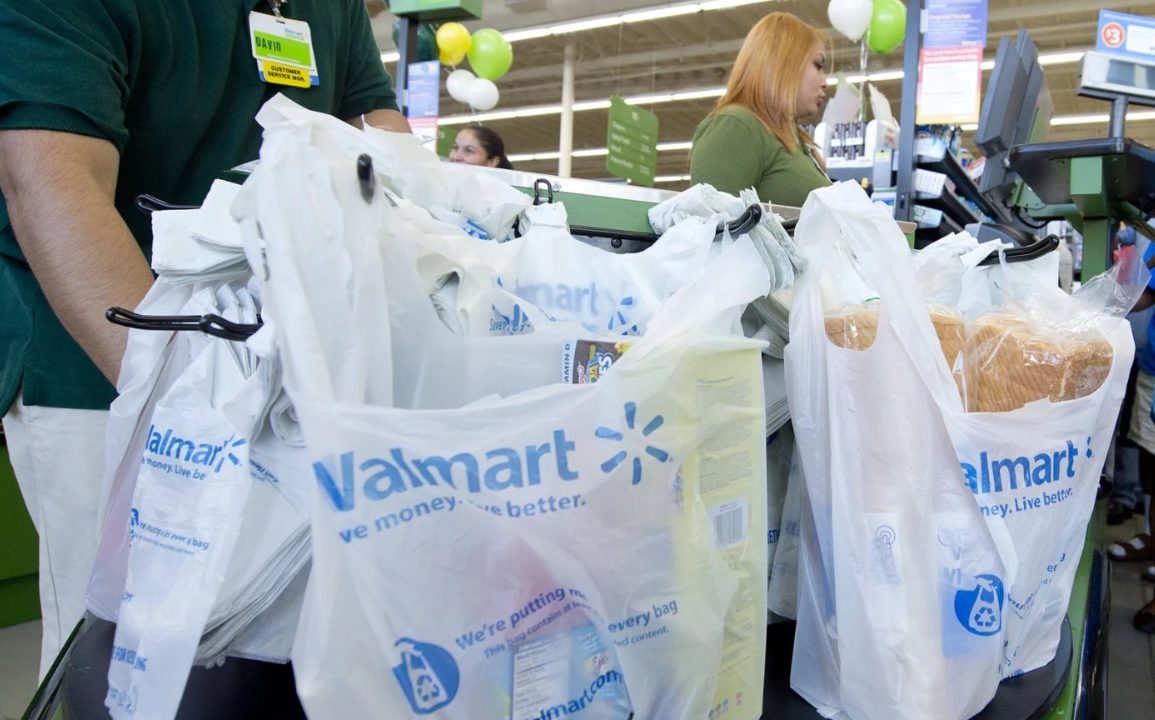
x=950, y=74
x=632, y=140
x=1126, y=35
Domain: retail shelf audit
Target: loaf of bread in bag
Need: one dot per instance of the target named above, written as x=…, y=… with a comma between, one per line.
x=854, y=329
x=857, y=329
x=1010, y=363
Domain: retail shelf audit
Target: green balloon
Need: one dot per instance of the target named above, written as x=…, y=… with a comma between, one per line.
x=490, y=55
x=426, y=41
x=887, y=26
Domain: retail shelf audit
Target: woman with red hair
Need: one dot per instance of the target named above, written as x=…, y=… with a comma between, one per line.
x=753, y=137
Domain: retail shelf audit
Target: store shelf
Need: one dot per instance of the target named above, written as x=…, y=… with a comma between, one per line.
x=964, y=186
x=949, y=203
x=856, y=173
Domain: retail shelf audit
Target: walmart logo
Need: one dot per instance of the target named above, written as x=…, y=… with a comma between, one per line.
x=605, y=433
x=229, y=454
x=163, y=443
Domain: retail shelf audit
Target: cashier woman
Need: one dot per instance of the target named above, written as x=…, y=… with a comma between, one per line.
x=753, y=137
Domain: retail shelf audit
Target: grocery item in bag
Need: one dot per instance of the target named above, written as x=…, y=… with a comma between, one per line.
x=1011, y=362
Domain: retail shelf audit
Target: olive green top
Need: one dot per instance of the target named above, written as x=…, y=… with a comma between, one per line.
x=733, y=151
x=174, y=86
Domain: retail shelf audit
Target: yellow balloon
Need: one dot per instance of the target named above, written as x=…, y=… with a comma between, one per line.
x=454, y=40
x=450, y=58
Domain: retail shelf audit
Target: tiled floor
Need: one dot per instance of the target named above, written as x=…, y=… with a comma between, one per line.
x=1131, y=668
x=19, y=660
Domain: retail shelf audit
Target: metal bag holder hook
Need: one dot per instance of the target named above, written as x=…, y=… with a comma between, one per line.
x=538, y=185
x=210, y=324
x=366, y=177
x=1024, y=253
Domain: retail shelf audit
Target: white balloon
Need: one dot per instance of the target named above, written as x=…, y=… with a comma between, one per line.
x=482, y=94
x=850, y=17
x=458, y=85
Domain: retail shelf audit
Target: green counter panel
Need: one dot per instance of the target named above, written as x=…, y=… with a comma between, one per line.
x=19, y=599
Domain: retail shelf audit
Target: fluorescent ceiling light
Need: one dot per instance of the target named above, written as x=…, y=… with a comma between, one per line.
x=527, y=34
x=590, y=105
x=596, y=23
x=662, y=12
x=699, y=94
x=580, y=25
x=1090, y=119
x=1080, y=119
x=705, y=93
x=885, y=76
x=542, y=110
x=1058, y=58
x=1094, y=118
x=649, y=99
x=670, y=178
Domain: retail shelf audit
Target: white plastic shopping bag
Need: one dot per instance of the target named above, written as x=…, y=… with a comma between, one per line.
x=565, y=549
x=574, y=282
x=892, y=621
x=1043, y=375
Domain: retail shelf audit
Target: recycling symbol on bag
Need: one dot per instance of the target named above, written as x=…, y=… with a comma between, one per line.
x=980, y=610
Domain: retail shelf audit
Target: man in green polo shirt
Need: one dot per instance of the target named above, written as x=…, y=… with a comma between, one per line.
x=100, y=101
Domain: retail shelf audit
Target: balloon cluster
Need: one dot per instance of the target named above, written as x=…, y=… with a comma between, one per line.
x=490, y=56
x=883, y=22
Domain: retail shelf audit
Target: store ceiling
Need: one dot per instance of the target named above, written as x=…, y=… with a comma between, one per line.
x=693, y=52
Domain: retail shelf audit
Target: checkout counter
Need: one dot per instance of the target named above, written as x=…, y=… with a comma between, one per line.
x=612, y=216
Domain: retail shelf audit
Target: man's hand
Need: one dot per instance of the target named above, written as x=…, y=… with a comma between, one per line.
x=60, y=189
x=383, y=119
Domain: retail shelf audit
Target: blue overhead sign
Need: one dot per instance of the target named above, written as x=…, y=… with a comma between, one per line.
x=1130, y=36
x=424, y=89
x=955, y=23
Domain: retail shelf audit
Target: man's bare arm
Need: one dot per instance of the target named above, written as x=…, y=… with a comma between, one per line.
x=60, y=189
x=384, y=119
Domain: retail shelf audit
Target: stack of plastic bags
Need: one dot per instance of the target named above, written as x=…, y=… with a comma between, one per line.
x=205, y=473
x=952, y=420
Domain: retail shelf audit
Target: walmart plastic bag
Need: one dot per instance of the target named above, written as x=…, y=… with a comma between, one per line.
x=601, y=291
x=892, y=621
x=187, y=506
x=495, y=583
x=1045, y=375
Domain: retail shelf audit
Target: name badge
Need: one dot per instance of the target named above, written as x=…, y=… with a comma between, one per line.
x=283, y=49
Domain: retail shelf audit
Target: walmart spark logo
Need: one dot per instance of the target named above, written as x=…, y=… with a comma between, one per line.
x=620, y=322
x=621, y=456
x=229, y=454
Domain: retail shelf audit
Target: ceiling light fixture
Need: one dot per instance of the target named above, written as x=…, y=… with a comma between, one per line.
x=704, y=93
x=1088, y=119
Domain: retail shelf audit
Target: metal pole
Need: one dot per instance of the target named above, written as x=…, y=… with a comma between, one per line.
x=565, y=142
x=1118, y=116
x=407, y=49
x=904, y=192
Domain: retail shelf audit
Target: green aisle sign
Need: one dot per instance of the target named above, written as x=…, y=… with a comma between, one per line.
x=632, y=139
